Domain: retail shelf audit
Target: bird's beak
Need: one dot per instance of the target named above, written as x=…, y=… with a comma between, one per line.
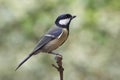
x=73, y=17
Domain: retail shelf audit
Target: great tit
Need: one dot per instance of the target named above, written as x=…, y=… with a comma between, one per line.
x=54, y=38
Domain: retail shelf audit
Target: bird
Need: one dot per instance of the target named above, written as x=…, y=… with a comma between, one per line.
x=53, y=38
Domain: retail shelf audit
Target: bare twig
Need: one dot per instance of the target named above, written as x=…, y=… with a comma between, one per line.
x=59, y=66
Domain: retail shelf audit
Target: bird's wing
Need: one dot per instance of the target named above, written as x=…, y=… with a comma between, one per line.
x=52, y=34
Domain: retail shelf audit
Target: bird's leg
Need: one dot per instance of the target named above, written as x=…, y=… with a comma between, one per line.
x=54, y=53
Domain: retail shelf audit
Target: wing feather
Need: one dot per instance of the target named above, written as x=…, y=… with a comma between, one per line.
x=53, y=34
x=44, y=40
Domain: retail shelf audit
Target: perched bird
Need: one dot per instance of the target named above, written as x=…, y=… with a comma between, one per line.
x=54, y=38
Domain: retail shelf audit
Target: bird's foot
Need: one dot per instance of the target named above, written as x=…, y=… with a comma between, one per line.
x=54, y=53
x=57, y=54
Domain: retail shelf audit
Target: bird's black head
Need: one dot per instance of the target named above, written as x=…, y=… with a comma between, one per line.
x=64, y=20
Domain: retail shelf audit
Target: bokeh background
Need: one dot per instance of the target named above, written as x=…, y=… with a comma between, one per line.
x=92, y=51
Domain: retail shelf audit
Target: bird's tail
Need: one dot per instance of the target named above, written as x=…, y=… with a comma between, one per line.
x=23, y=61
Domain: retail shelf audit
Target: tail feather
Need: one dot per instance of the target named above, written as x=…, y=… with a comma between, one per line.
x=23, y=61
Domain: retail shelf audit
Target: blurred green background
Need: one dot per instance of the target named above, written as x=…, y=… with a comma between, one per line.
x=92, y=51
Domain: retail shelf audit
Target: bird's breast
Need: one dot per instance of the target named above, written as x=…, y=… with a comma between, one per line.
x=54, y=44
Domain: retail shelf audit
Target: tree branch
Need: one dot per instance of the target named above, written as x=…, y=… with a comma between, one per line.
x=59, y=66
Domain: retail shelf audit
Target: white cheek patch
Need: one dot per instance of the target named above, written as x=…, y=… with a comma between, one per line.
x=64, y=21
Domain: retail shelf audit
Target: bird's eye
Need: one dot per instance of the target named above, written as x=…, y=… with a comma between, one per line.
x=66, y=16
